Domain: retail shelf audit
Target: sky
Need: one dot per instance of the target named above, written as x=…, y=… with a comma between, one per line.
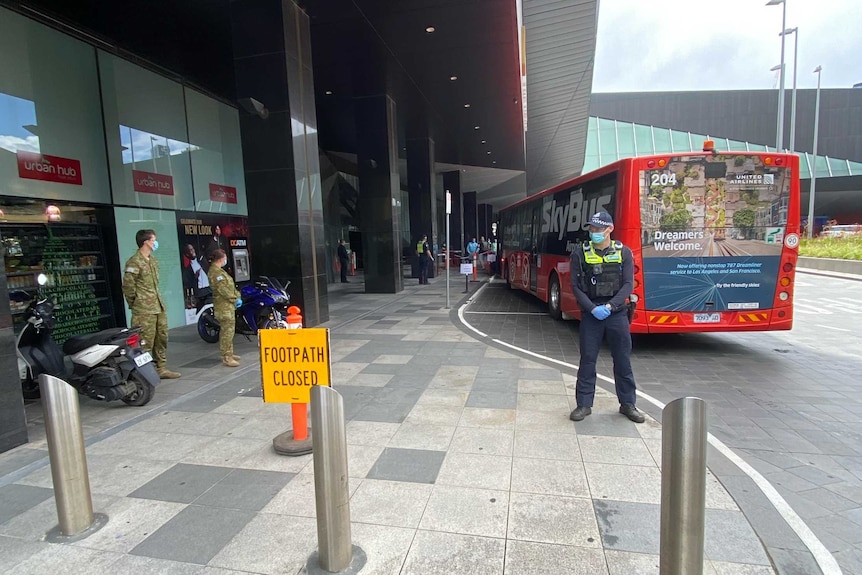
x=663, y=45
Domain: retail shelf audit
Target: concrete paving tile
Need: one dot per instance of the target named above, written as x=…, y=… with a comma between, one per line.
x=618, y=450
x=615, y=425
x=262, y=547
x=448, y=397
x=429, y=414
x=717, y=497
x=624, y=482
x=398, y=395
x=793, y=561
x=435, y=553
x=534, y=444
x=467, y=511
x=161, y=446
x=553, y=519
x=392, y=503
x=492, y=399
x=497, y=385
x=150, y=566
x=194, y=535
x=414, y=465
x=627, y=526
x=729, y=537
x=546, y=559
x=360, y=460
x=225, y=451
x=654, y=447
x=265, y=458
x=550, y=477
x=532, y=370
x=476, y=470
x=15, y=550
x=385, y=547
x=724, y=568
x=395, y=359
x=410, y=380
x=297, y=497
x=431, y=437
x=544, y=421
x=130, y=521
x=383, y=412
x=182, y=483
x=16, y=499
x=259, y=427
x=68, y=560
x=366, y=380
x=838, y=527
x=482, y=440
x=240, y=406
x=784, y=480
x=35, y=522
x=542, y=402
x=245, y=489
x=649, y=429
x=540, y=386
x=345, y=371
x=370, y=432
x=490, y=418
x=850, y=560
x=628, y=563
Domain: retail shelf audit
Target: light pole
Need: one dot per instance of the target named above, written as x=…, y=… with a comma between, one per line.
x=814, y=153
x=779, y=136
x=795, y=32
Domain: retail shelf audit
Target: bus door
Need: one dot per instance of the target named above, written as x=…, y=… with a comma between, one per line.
x=534, y=247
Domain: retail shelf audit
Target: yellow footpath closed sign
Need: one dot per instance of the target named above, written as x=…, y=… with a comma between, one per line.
x=291, y=361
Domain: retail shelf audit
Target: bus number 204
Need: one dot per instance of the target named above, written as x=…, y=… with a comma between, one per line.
x=663, y=179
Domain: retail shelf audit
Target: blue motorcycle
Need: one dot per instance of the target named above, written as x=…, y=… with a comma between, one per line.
x=264, y=306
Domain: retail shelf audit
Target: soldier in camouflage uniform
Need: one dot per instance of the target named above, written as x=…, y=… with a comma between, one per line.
x=226, y=299
x=141, y=290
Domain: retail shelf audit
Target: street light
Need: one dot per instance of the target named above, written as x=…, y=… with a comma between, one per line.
x=814, y=153
x=779, y=136
x=795, y=32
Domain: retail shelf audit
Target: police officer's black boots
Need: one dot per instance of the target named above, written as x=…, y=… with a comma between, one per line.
x=632, y=412
x=579, y=413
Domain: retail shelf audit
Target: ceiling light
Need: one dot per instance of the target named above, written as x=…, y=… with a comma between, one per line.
x=466, y=105
x=329, y=92
x=430, y=29
x=453, y=78
x=488, y=152
x=494, y=162
x=475, y=127
x=483, y=141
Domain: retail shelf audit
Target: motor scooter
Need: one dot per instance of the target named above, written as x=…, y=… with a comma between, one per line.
x=264, y=306
x=107, y=365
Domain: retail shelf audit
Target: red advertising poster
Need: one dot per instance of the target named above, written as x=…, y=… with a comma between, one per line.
x=33, y=166
x=219, y=193
x=151, y=183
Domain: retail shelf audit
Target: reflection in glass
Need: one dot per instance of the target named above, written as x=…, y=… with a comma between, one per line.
x=151, y=150
x=18, y=124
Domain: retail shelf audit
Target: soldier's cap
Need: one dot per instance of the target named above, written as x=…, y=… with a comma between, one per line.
x=601, y=220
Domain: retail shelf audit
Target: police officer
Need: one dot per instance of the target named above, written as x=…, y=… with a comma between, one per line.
x=141, y=290
x=423, y=252
x=343, y=260
x=226, y=300
x=602, y=280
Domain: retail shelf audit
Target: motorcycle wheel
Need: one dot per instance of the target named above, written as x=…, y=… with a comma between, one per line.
x=207, y=332
x=272, y=324
x=143, y=392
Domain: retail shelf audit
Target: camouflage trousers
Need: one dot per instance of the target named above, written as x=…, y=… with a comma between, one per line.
x=154, y=333
x=227, y=329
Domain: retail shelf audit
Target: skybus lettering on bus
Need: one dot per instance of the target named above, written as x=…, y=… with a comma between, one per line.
x=571, y=217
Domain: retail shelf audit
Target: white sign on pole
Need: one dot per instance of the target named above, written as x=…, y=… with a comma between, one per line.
x=467, y=269
x=448, y=202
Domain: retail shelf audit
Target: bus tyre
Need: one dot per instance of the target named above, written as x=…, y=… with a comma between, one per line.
x=554, y=298
x=510, y=275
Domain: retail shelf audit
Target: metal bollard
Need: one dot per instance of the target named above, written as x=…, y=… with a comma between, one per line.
x=68, y=458
x=331, y=491
x=683, y=486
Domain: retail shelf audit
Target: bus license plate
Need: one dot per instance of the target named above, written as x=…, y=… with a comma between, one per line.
x=143, y=359
x=707, y=318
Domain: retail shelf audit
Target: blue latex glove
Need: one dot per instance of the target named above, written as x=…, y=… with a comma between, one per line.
x=600, y=312
x=238, y=302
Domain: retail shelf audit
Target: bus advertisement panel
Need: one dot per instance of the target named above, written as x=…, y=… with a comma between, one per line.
x=712, y=232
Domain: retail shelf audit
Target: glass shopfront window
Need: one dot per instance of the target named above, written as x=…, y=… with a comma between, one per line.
x=148, y=148
x=216, y=154
x=51, y=134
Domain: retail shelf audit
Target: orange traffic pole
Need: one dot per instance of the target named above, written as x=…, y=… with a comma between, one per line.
x=475, y=265
x=298, y=411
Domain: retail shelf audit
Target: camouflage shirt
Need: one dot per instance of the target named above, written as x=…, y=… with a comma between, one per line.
x=225, y=293
x=141, y=285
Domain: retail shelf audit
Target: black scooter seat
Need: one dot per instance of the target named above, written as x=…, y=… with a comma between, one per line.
x=81, y=342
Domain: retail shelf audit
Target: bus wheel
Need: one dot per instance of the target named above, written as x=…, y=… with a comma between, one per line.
x=555, y=298
x=510, y=276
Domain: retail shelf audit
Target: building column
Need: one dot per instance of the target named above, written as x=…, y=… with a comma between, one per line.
x=275, y=86
x=13, y=419
x=485, y=215
x=452, y=184
x=471, y=224
x=379, y=193
x=422, y=192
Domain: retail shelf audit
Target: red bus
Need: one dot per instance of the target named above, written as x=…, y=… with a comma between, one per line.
x=714, y=236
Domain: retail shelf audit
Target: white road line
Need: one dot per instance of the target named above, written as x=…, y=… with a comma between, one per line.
x=821, y=554
x=832, y=327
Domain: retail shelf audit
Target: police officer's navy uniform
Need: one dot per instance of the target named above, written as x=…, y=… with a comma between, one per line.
x=604, y=278
x=423, y=252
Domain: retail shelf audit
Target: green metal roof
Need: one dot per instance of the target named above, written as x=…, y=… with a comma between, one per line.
x=610, y=140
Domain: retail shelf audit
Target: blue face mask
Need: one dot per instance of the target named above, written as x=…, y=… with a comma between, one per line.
x=155, y=245
x=597, y=237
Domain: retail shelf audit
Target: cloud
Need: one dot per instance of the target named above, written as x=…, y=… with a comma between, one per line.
x=692, y=45
x=14, y=143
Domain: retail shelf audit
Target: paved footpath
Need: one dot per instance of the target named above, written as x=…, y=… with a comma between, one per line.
x=461, y=460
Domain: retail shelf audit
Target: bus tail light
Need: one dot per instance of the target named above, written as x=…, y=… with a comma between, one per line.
x=784, y=296
x=636, y=284
x=637, y=270
x=787, y=267
x=785, y=281
x=779, y=161
x=781, y=313
x=653, y=163
x=767, y=160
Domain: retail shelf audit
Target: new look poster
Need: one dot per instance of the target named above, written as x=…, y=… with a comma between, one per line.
x=712, y=232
